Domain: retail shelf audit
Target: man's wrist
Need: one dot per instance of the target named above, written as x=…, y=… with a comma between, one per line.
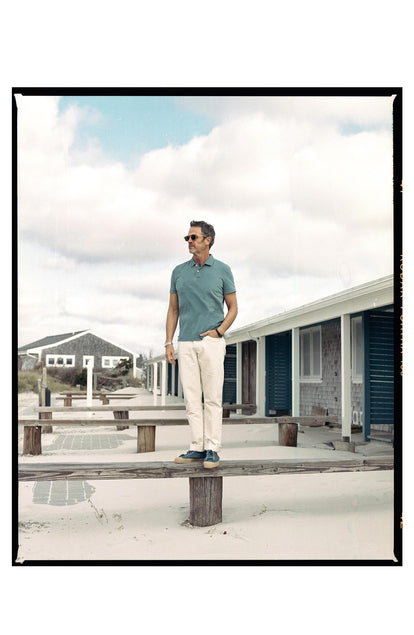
x=168, y=343
x=218, y=333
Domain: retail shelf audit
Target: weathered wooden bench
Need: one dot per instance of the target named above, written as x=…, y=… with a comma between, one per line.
x=206, y=486
x=288, y=426
x=105, y=397
x=145, y=428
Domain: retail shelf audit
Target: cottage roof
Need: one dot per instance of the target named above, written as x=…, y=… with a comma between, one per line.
x=370, y=295
x=49, y=340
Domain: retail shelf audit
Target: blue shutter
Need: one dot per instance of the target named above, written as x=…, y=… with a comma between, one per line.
x=379, y=369
x=279, y=374
x=230, y=371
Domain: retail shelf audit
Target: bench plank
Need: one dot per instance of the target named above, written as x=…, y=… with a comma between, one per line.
x=308, y=420
x=160, y=469
x=108, y=408
x=147, y=422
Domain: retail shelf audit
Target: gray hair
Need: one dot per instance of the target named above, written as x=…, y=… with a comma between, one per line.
x=206, y=229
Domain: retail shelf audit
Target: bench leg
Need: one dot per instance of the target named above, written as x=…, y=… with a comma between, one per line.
x=43, y=416
x=288, y=434
x=67, y=402
x=32, y=440
x=206, y=496
x=146, y=439
x=121, y=414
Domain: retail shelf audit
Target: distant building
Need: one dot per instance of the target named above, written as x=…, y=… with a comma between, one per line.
x=79, y=349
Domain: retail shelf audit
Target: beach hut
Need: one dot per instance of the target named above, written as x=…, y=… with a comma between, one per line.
x=335, y=355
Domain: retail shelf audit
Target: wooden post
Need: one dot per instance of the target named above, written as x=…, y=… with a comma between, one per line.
x=44, y=400
x=89, y=379
x=164, y=381
x=288, y=434
x=67, y=401
x=32, y=440
x=121, y=414
x=146, y=439
x=155, y=382
x=346, y=376
x=206, y=496
x=295, y=372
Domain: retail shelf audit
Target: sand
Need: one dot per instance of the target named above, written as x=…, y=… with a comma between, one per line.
x=344, y=516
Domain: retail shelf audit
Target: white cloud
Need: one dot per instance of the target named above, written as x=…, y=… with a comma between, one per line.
x=295, y=204
x=332, y=110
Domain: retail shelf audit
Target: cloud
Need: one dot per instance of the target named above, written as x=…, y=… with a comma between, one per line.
x=291, y=198
x=250, y=167
x=327, y=110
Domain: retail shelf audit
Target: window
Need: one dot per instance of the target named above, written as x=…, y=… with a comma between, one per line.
x=357, y=359
x=110, y=361
x=311, y=354
x=60, y=361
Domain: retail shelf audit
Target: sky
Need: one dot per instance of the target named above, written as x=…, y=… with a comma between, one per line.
x=299, y=190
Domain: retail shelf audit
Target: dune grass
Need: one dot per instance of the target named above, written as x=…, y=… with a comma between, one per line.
x=27, y=382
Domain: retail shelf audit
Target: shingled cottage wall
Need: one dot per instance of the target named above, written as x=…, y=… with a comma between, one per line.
x=327, y=394
x=88, y=344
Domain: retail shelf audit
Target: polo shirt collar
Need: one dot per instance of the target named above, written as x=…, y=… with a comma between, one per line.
x=209, y=261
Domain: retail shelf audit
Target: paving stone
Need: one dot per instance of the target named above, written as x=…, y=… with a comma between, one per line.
x=61, y=493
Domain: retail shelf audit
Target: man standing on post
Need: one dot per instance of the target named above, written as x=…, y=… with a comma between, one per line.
x=199, y=289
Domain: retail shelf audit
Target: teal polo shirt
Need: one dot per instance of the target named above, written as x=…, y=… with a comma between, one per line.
x=201, y=292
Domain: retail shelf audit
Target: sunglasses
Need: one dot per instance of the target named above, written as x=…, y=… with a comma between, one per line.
x=193, y=237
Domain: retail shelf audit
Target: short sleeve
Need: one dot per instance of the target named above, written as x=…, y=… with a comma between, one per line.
x=173, y=287
x=228, y=281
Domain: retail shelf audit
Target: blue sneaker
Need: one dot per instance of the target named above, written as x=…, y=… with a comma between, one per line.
x=212, y=459
x=192, y=456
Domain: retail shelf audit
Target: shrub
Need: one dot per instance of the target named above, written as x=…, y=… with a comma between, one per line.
x=65, y=375
x=82, y=377
x=28, y=382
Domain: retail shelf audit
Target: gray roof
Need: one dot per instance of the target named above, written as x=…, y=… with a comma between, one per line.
x=47, y=341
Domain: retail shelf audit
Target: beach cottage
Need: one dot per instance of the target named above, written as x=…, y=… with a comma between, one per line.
x=78, y=349
x=335, y=355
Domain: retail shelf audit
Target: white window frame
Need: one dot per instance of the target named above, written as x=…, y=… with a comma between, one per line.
x=113, y=360
x=58, y=356
x=357, y=378
x=312, y=377
x=87, y=358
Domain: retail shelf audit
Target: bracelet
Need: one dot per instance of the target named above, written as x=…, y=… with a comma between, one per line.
x=218, y=333
x=167, y=343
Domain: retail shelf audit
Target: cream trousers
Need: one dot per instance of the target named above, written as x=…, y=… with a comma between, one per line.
x=201, y=368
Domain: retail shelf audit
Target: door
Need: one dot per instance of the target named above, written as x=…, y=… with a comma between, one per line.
x=88, y=360
x=378, y=369
x=249, y=353
x=279, y=374
x=230, y=372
